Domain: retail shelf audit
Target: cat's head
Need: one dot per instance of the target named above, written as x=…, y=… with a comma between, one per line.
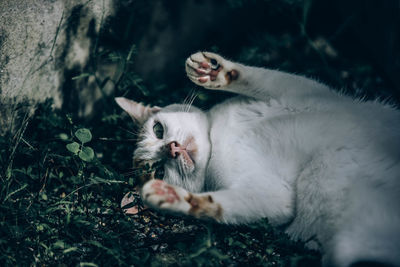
x=175, y=137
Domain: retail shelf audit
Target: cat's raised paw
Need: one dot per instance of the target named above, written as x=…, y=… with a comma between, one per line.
x=210, y=70
x=160, y=195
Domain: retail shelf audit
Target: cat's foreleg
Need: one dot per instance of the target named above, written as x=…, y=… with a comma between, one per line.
x=214, y=72
x=227, y=206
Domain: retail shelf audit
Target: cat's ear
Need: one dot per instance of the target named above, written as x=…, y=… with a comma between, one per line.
x=138, y=112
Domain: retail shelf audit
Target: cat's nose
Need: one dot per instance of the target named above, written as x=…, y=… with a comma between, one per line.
x=174, y=149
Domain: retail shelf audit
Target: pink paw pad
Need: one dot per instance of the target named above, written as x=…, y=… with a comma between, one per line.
x=205, y=65
x=205, y=69
x=203, y=79
x=163, y=189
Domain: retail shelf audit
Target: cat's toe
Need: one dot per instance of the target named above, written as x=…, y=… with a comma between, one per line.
x=158, y=194
x=207, y=69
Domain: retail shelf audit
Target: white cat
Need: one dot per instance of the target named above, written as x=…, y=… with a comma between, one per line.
x=289, y=149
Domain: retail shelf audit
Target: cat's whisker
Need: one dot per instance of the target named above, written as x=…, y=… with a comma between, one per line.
x=188, y=96
x=186, y=106
x=186, y=100
x=190, y=103
x=136, y=172
x=134, y=133
x=116, y=140
x=189, y=100
x=128, y=174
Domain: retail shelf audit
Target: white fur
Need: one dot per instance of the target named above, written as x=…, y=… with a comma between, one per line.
x=292, y=150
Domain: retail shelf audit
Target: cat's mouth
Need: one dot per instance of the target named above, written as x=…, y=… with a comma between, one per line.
x=184, y=154
x=188, y=157
x=190, y=150
x=186, y=163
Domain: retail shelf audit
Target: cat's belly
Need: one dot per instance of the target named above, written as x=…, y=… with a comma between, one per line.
x=243, y=145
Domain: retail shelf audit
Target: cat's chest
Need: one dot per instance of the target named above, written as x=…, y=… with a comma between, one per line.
x=239, y=135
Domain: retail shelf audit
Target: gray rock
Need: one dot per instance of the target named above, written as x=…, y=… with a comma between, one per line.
x=43, y=44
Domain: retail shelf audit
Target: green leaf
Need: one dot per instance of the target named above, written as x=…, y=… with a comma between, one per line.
x=73, y=147
x=63, y=136
x=44, y=197
x=84, y=135
x=86, y=154
x=269, y=250
x=9, y=172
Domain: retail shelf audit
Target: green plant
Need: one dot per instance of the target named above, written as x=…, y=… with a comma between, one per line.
x=85, y=153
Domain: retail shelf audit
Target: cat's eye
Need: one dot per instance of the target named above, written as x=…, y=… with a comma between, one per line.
x=158, y=130
x=159, y=174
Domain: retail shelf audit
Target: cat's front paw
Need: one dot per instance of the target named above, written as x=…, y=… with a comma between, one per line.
x=160, y=195
x=210, y=70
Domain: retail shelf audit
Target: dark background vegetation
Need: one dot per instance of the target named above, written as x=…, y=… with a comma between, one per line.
x=58, y=209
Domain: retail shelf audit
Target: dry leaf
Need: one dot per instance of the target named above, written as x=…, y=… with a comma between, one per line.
x=129, y=198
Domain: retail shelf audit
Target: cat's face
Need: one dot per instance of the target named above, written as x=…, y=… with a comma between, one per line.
x=176, y=139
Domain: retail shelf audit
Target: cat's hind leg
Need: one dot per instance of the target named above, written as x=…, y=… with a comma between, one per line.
x=211, y=70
